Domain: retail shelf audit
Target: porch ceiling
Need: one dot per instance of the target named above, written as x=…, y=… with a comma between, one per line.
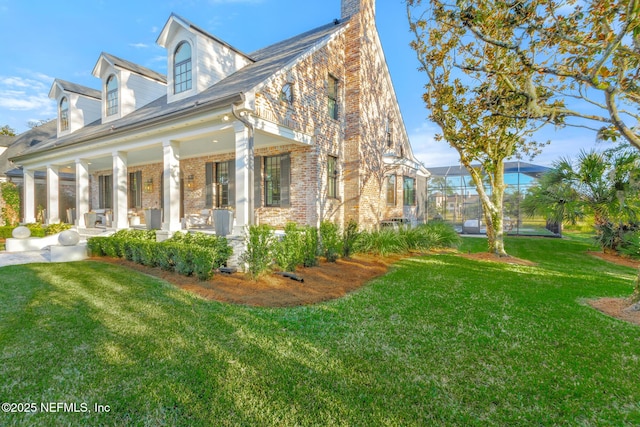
x=197, y=146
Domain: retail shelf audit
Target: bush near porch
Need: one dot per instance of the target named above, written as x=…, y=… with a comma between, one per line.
x=188, y=254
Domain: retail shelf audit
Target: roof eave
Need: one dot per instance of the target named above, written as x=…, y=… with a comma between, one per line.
x=229, y=100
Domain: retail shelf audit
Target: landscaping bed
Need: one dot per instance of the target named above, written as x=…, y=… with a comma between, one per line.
x=326, y=281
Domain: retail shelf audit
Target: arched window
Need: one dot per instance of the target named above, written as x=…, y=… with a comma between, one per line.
x=112, y=95
x=64, y=114
x=182, y=68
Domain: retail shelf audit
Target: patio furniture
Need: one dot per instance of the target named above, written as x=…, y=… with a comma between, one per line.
x=153, y=218
x=222, y=221
x=90, y=219
x=199, y=220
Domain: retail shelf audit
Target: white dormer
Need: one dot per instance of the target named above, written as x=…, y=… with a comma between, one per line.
x=126, y=86
x=196, y=60
x=77, y=105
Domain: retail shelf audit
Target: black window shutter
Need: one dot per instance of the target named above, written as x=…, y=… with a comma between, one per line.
x=232, y=183
x=101, y=191
x=209, y=183
x=285, y=180
x=257, y=182
x=138, y=189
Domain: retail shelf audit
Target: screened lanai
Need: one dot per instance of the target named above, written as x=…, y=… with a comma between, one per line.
x=452, y=197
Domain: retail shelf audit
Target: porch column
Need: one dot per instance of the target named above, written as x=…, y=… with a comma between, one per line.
x=53, y=195
x=120, y=219
x=171, y=202
x=82, y=191
x=244, y=169
x=29, y=194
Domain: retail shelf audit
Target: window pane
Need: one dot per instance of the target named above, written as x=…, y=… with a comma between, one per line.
x=272, y=181
x=333, y=98
x=64, y=114
x=391, y=190
x=182, y=68
x=409, y=191
x=332, y=177
x=112, y=96
x=222, y=180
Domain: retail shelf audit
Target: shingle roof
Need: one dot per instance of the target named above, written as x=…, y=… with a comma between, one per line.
x=139, y=69
x=6, y=140
x=79, y=89
x=230, y=90
x=29, y=140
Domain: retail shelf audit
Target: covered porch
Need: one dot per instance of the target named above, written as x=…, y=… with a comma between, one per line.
x=180, y=174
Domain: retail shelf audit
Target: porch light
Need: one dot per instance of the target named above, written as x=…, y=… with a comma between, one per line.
x=148, y=186
x=191, y=182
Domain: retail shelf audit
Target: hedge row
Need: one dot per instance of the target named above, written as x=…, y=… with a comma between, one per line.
x=180, y=255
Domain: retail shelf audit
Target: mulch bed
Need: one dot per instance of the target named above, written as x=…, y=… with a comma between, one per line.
x=321, y=283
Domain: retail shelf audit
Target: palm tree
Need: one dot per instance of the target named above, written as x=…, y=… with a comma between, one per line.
x=604, y=184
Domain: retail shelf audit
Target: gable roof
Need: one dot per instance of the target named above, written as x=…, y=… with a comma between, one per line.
x=127, y=65
x=6, y=140
x=177, y=19
x=27, y=141
x=74, y=88
x=226, y=92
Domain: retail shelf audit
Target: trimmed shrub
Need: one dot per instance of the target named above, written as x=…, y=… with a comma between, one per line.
x=288, y=250
x=203, y=262
x=135, y=234
x=258, y=256
x=220, y=246
x=166, y=255
x=94, y=244
x=330, y=241
x=197, y=255
x=148, y=253
x=309, y=246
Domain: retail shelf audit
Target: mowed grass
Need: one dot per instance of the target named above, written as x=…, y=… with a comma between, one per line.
x=439, y=340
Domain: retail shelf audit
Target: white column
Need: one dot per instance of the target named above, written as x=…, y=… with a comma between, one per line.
x=53, y=195
x=244, y=165
x=82, y=191
x=29, y=194
x=171, y=202
x=120, y=202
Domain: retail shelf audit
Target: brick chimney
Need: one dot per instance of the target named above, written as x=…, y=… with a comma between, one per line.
x=351, y=7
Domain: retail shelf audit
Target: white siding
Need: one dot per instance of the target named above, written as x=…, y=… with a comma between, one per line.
x=88, y=110
x=212, y=61
x=134, y=91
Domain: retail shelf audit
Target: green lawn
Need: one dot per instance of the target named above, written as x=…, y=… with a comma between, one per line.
x=440, y=340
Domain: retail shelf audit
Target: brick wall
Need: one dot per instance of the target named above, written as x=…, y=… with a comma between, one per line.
x=358, y=138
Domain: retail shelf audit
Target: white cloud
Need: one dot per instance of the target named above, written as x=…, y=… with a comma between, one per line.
x=429, y=151
x=139, y=45
x=25, y=96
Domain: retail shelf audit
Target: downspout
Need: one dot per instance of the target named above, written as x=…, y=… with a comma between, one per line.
x=249, y=126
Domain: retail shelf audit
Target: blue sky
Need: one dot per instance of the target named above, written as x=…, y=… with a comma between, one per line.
x=44, y=39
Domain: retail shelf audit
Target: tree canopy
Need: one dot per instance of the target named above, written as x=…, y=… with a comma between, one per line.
x=568, y=59
x=7, y=131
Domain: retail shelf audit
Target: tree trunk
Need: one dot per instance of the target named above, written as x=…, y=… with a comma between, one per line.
x=635, y=297
x=492, y=208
